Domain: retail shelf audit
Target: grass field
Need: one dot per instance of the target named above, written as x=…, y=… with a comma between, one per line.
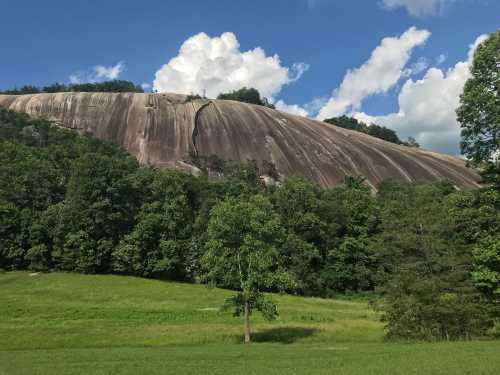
x=79, y=324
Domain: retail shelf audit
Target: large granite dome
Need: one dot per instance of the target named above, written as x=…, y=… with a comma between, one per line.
x=163, y=129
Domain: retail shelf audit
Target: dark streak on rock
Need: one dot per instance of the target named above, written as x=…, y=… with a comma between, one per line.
x=194, y=135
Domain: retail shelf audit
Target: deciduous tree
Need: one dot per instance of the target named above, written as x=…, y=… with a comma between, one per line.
x=242, y=253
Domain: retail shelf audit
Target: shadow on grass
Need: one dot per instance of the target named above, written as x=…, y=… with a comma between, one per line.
x=283, y=335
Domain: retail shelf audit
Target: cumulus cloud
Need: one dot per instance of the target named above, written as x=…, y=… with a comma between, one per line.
x=427, y=106
x=215, y=65
x=382, y=71
x=145, y=86
x=98, y=73
x=293, y=109
x=418, y=8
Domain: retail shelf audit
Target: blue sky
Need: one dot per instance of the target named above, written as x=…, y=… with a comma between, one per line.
x=50, y=41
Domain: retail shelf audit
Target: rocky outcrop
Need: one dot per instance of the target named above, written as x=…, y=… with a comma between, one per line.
x=163, y=129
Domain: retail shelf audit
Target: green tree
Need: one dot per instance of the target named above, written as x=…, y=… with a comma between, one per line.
x=486, y=274
x=374, y=130
x=246, y=95
x=350, y=262
x=242, y=253
x=384, y=133
x=347, y=122
x=434, y=300
x=479, y=110
x=476, y=217
x=429, y=292
x=115, y=85
x=158, y=243
x=411, y=142
x=99, y=208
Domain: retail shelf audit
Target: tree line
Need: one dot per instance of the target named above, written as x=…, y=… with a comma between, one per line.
x=73, y=203
x=107, y=86
x=374, y=130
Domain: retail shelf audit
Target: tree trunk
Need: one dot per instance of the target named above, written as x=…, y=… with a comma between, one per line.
x=247, y=324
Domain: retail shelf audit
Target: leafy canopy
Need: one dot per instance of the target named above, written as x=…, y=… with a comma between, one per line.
x=242, y=252
x=479, y=110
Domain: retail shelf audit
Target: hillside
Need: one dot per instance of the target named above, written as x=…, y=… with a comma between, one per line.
x=75, y=324
x=166, y=130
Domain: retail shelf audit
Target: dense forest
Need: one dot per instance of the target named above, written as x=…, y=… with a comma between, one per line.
x=107, y=86
x=70, y=202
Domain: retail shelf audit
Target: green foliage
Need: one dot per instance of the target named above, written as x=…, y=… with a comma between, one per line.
x=430, y=294
x=157, y=246
x=440, y=304
x=486, y=274
x=246, y=95
x=479, y=110
x=107, y=86
x=242, y=253
x=476, y=216
x=243, y=241
x=258, y=301
x=192, y=97
x=39, y=258
x=74, y=203
x=374, y=130
x=347, y=122
x=327, y=246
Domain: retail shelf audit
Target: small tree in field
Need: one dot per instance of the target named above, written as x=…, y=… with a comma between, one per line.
x=244, y=236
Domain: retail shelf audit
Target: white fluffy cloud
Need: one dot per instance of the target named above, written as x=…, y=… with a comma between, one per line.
x=418, y=8
x=216, y=65
x=427, y=106
x=441, y=59
x=417, y=67
x=382, y=71
x=109, y=72
x=98, y=73
x=293, y=109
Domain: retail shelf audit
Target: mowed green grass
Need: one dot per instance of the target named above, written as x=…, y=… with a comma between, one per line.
x=84, y=324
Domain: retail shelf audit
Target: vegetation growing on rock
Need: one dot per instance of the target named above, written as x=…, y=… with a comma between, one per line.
x=107, y=86
x=374, y=130
x=246, y=95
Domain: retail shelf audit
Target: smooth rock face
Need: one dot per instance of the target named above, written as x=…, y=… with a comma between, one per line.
x=163, y=129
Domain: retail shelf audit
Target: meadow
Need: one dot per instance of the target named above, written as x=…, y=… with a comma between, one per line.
x=64, y=323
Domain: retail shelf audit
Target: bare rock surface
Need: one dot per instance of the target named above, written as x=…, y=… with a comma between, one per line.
x=163, y=129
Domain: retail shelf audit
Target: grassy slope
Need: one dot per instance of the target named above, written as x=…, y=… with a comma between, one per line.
x=77, y=324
